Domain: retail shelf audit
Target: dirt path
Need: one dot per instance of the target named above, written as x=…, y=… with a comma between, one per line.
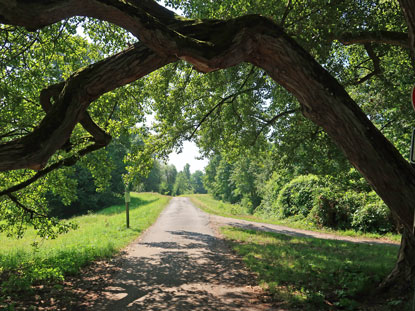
x=179, y=264
x=219, y=221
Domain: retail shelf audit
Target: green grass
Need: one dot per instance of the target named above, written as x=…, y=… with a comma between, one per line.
x=99, y=235
x=212, y=206
x=315, y=274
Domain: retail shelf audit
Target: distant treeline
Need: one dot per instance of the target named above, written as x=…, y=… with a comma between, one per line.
x=319, y=194
x=164, y=179
x=96, y=191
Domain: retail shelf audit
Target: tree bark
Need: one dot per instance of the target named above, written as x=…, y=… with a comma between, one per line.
x=408, y=8
x=382, y=37
x=210, y=45
x=402, y=276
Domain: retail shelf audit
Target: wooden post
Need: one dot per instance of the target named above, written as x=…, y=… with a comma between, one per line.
x=127, y=208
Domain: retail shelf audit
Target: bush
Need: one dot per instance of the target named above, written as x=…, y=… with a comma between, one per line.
x=335, y=209
x=296, y=197
x=269, y=193
x=247, y=205
x=323, y=213
x=373, y=217
x=351, y=210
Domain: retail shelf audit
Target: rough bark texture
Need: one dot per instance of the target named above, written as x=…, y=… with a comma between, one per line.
x=402, y=275
x=211, y=45
x=408, y=8
x=383, y=37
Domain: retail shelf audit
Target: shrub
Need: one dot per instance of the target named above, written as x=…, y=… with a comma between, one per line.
x=336, y=209
x=269, y=193
x=296, y=197
x=325, y=205
x=247, y=205
x=373, y=217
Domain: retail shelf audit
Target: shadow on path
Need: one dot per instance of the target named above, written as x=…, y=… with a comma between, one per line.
x=178, y=264
x=196, y=275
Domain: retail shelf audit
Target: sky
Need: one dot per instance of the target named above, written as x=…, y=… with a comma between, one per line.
x=188, y=155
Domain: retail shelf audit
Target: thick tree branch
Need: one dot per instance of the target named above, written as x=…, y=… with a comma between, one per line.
x=408, y=8
x=83, y=87
x=382, y=37
x=53, y=91
x=65, y=162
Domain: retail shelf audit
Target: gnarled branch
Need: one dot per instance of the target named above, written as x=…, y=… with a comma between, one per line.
x=382, y=37
x=408, y=8
x=34, y=149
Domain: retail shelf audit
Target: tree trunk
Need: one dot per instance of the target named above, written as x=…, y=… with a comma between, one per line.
x=402, y=276
x=408, y=8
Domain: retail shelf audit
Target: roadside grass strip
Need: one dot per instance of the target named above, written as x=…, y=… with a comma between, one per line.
x=314, y=274
x=100, y=235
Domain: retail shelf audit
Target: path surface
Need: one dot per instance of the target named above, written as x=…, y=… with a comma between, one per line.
x=180, y=264
x=219, y=221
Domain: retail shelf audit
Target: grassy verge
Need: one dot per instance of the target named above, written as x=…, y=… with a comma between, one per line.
x=99, y=235
x=315, y=274
x=212, y=206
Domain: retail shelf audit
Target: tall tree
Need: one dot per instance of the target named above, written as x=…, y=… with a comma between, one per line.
x=212, y=44
x=196, y=181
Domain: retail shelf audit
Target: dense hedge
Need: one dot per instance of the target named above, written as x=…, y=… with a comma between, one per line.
x=296, y=197
x=315, y=200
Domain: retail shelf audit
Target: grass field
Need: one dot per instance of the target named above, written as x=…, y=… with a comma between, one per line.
x=99, y=235
x=316, y=274
x=212, y=206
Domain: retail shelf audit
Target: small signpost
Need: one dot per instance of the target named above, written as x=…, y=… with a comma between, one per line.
x=413, y=97
x=412, y=152
x=127, y=202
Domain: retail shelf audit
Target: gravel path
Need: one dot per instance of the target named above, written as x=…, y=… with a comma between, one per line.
x=180, y=264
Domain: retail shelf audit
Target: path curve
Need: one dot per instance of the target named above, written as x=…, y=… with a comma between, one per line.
x=219, y=221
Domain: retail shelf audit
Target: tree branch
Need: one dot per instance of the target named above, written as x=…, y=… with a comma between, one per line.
x=219, y=104
x=377, y=70
x=65, y=162
x=382, y=37
x=408, y=8
x=288, y=8
x=211, y=45
x=26, y=209
x=272, y=121
x=84, y=86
